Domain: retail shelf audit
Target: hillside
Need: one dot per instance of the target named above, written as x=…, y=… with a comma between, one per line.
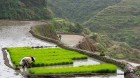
x=103, y=45
x=118, y=21
x=78, y=10
x=121, y=22
x=66, y=26
x=59, y=26
x=24, y=9
x=115, y=19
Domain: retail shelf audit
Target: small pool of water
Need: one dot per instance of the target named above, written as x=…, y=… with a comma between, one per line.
x=88, y=61
x=91, y=61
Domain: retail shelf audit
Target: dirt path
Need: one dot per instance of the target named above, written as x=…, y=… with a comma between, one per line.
x=16, y=35
x=71, y=40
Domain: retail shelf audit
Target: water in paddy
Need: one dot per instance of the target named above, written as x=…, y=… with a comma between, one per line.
x=16, y=36
x=19, y=36
x=91, y=61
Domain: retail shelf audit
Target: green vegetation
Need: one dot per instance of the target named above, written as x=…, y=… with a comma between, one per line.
x=137, y=71
x=103, y=45
x=24, y=9
x=102, y=41
x=120, y=22
x=46, y=30
x=102, y=68
x=130, y=36
x=123, y=51
x=114, y=19
x=78, y=10
x=57, y=25
x=65, y=26
x=45, y=56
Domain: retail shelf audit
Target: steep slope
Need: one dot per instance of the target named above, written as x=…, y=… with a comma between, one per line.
x=78, y=10
x=121, y=22
x=24, y=9
x=103, y=45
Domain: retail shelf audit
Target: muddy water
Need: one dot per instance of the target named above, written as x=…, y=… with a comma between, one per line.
x=19, y=36
x=16, y=36
x=91, y=61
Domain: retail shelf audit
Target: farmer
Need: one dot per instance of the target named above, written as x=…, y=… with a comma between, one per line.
x=129, y=70
x=59, y=36
x=27, y=61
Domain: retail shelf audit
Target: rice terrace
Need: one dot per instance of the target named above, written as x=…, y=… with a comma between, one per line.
x=69, y=39
x=56, y=56
x=55, y=61
x=45, y=56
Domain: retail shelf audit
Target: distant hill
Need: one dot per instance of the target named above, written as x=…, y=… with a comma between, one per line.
x=121, y=22
x=119, y=19
x=24, y=9
x=116, y=19
x=78, y=10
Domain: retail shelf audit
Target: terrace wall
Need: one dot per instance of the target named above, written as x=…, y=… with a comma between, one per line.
x=122, y=65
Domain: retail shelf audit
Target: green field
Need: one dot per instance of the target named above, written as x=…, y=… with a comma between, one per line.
x=45, y=56
x=56, y=56
x=102, y=68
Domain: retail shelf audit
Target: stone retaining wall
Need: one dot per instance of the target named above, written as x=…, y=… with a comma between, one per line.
x=124, y=66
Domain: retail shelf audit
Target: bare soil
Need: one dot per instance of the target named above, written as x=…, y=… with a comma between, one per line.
x=71, y=40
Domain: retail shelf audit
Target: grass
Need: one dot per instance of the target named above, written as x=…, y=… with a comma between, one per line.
x=102, y=68
x=45, y=56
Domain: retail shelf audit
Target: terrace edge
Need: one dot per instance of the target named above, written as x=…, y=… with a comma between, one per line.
x=123, y=65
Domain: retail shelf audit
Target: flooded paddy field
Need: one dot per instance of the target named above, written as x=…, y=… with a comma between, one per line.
x=90, y=61
x=19, y=36
x=16, y=35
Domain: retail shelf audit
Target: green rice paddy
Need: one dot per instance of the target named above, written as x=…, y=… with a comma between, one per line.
x=102, y=68
x=45, y=56
x=56, y=56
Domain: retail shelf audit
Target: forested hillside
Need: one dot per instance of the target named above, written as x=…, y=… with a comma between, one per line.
x=24, y=9
x=118, y=19
x=121, y=22
x=78, y=10
x=110, y=19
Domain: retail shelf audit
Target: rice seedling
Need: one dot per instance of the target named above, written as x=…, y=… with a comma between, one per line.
x=102, y=68
x=45, y=56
